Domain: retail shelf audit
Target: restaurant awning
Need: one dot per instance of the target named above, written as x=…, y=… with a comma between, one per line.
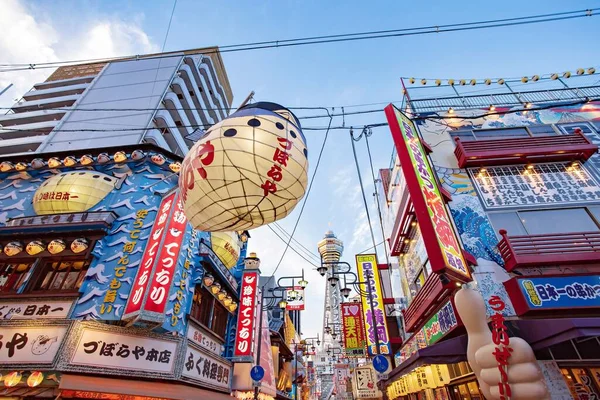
x=161, y=390
x=447, y=352
x=542, y=333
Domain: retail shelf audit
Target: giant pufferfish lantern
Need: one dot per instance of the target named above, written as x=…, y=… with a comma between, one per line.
x=248, y=170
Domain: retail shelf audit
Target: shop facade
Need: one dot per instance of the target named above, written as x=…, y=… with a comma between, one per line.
x=525, y=217
x=106, y=291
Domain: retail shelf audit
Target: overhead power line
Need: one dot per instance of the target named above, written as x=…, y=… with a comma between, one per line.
x=305, y=250
x=369, y=35
x=292, y=247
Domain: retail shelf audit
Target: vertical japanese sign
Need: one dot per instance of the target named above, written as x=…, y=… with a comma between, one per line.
x=501, y=340
x=443, y=248
x=353, y=329
x=141, y=282
x=244, y=335
x=366, y=265
x=168, y=256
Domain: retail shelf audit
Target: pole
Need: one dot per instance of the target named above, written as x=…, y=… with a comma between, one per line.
x=296, y=370
x=260, y=324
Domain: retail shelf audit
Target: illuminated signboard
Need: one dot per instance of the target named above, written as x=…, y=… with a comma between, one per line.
x=160, y=284
x=440, y=324
x=141, y=283
x=368, y=272
x=353, y=329
x=244, y=335
x=442, y=245
x=530, y=294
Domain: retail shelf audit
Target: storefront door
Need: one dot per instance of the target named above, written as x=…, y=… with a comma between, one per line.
x=466, y=391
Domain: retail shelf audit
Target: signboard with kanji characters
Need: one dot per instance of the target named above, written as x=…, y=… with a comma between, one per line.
x=35, y=309
x=126, y=352
x=151, y=253
x=207, y=369
x=547, y=293
x=160, y=282
x=547, y=184
x=441, y=242
x=30, y=345
x=353, y=329
x=364, y=383
x=247, y=313
x=440, y=324
x=204, y=340
x=366, y=265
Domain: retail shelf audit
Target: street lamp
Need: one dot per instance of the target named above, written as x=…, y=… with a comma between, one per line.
x=322, y=270
x=345, y=292
x=333, y=280
x=283, y=304
x=303, y=283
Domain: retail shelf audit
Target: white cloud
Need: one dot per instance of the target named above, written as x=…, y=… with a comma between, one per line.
x=27, y=38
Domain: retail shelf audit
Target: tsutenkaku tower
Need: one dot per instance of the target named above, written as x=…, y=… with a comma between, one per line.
x=330, y=249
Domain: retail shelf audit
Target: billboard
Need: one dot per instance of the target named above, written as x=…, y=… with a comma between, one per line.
x=441, y=242
x=247, y=313
x=366, y=265
x=295, y=302
x=353, y=329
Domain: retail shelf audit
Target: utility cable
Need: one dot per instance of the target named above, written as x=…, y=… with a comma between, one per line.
x=312, y=180
x=369, y=249
x=540, y=18
x=368, y=132
x=362, y=188
x=291, y=247
x=304, y=248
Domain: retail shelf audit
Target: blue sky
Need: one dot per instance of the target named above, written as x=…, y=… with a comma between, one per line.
x=329, y=75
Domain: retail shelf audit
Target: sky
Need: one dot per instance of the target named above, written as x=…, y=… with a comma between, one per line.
x=329, y=75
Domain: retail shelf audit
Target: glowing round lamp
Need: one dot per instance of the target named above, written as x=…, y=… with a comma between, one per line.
x=138, y=155
x=35, y=379
x=158, y=159
x=175, y=167
x=86, y=159
x=72, y=192
x=249, y=170
x=232, y=307
x=13, y=248
x=120, y=157
x=12, y=379
x=69, y=161
x=215, y=288
x=221, y=295
x=37, y=163
x=208, y=280
x=6, y=166
x=103, y=158
x=283, y=304
x=227, y=300
x=226, y=246
x=56, y=246
x=79, y=245
x=21, y=166
x=54, y=162
x=35, y=247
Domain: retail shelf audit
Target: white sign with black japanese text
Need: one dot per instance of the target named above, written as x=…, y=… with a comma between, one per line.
x=42, y=309
x=206, y=369
x=27, y=345
x=102, y=349
x=202, y=339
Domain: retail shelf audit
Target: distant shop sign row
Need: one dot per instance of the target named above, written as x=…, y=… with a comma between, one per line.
x=95, y=348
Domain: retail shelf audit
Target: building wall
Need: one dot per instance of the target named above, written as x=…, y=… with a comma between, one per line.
x=470, y=216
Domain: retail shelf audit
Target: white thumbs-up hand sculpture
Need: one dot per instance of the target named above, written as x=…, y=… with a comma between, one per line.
x=525, y=379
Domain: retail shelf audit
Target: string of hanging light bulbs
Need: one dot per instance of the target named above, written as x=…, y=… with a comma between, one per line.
x=500, y=81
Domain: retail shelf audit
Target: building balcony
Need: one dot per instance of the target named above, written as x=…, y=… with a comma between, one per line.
x=480, y=153
x=31, y=117
x=44, y=104
x=402, y=225
x=549, y=249
x=432, y=295
x=47, y=93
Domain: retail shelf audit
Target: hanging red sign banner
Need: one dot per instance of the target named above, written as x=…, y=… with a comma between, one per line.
x=353, y=329
x=168, y=256
x=244, y=336
x=140, y=285
x=503, y=350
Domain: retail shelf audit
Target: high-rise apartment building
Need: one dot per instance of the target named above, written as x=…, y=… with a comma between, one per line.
x=165, y=99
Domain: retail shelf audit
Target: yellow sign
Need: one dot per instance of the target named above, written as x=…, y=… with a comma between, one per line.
x=368, y=272
x=74, y=191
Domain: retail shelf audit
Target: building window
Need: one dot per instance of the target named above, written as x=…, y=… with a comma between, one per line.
x=202, y=306
x=504, y=133
x=219, y=320
x=60, y=276
x=541, y=222
x=12, y=276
